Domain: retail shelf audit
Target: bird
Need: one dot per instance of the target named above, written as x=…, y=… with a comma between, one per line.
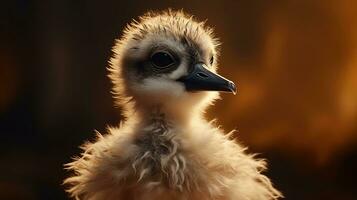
x=164, y=77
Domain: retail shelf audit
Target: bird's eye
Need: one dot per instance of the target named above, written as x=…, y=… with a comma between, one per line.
x=162, y=59
x=211, y=60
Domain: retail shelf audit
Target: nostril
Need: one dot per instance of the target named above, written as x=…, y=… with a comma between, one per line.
x=203, y=75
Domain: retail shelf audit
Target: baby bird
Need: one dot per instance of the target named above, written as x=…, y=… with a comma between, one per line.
x=164, y=76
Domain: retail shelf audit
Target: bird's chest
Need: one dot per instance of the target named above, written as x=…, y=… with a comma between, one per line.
x=160, y=159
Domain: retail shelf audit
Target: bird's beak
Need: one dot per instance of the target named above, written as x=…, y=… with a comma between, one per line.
x=201, y=79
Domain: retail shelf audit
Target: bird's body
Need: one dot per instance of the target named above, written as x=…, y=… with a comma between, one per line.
x=166, y=149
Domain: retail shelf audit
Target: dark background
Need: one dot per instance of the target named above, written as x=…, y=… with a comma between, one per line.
x=295, y=62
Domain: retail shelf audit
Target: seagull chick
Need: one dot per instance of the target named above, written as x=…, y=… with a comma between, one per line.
x=164, y=76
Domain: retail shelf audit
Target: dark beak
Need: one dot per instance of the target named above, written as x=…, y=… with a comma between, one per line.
x=201, y=79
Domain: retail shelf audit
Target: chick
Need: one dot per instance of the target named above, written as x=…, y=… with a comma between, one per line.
x=164, y=77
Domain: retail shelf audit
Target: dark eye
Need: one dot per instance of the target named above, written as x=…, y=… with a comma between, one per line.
x=211, y=60
x=162, y=59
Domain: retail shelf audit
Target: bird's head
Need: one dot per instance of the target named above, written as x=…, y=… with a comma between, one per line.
x=167, y=59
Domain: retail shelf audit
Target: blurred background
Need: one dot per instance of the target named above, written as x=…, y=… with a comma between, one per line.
x=295, y=62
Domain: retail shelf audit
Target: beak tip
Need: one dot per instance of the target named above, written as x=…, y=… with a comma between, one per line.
x=232, y=87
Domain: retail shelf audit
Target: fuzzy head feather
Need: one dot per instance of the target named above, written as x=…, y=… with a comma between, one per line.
x=137, y=83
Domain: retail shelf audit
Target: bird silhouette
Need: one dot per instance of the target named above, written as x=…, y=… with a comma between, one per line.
x=164, y=77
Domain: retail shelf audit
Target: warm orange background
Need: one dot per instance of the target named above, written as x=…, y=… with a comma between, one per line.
x=295, y=62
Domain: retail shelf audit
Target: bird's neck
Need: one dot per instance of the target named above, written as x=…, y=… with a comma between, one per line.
x=181, y=117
